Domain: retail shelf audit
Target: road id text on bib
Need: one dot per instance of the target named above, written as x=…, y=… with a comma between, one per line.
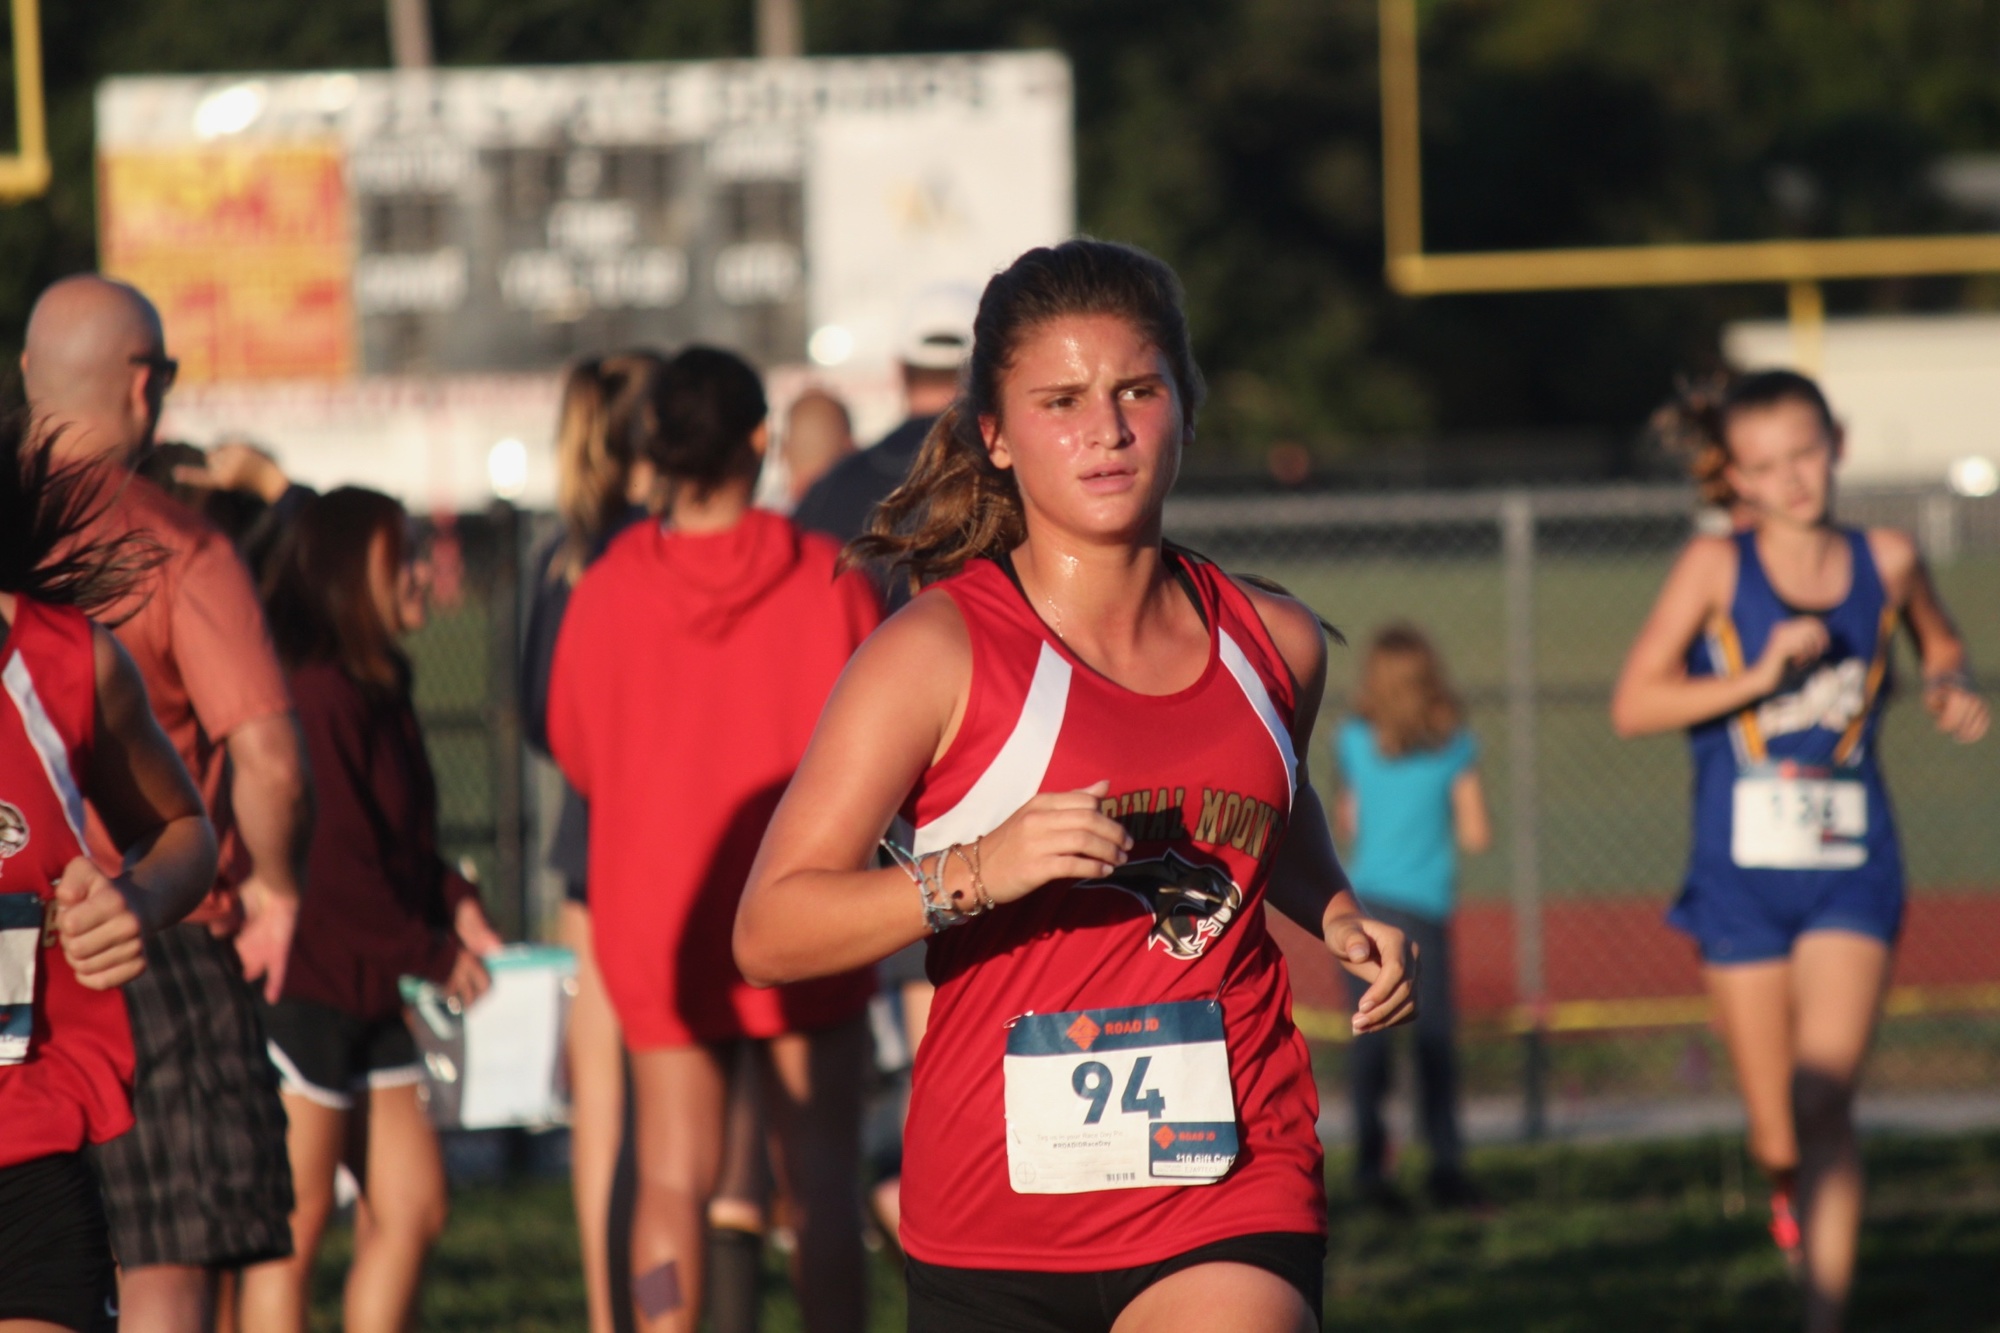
x=1128, y=1098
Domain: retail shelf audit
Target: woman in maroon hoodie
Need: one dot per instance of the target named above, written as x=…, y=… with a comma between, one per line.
x=380, y=903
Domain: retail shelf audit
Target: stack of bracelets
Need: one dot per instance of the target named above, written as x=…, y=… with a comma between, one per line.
x=941, y=906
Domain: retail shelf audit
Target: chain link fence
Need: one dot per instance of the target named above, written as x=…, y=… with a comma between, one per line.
x=1571, y=984
x=466, y=667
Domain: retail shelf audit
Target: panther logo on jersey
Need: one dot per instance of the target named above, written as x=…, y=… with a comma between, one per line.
x=13, y=830
x=1192, y=903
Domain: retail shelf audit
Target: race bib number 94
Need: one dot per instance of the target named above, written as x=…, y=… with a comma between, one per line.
x=1785, y=821
x=1114, y=1099
x=20, y=945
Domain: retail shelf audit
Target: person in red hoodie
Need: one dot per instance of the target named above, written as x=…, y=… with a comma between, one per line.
x=380, y=903
x=691, y=669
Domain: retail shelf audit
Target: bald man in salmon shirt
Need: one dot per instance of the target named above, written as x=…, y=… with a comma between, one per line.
x=201, y=1186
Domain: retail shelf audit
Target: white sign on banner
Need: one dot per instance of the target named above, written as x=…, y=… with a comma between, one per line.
x=380, y=274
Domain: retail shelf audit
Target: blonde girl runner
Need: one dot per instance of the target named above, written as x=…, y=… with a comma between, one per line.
x=1771, y=647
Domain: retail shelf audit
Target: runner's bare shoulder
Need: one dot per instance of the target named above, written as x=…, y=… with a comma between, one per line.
x=1896, y=558
x=1706, y=566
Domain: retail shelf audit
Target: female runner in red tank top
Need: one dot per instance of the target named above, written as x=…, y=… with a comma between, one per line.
x=1095, y=737
x=74, y=727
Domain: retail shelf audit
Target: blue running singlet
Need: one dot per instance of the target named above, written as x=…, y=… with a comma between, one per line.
x=1792, y=828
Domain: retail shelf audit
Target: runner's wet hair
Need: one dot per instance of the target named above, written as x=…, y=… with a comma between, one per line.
x=1694, y=424
x=956, y=505
x=595, y=449
x=46, y=506
x=698, y=418
x=1404, y=695
x=318, y=595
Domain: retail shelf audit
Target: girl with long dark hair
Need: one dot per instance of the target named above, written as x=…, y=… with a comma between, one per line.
x=380, y=903
x=74, y=727
x=1096, y=737
x=1771, y=647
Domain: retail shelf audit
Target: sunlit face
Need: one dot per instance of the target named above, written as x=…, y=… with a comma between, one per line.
x=1091, y=426
x=1781, y=461
x=398, y=582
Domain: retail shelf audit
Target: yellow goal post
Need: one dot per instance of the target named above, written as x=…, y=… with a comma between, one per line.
x=25, y=172
x=1802, y=264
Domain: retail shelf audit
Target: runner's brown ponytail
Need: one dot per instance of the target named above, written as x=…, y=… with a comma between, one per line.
x=46, y=508
x=1694, y=424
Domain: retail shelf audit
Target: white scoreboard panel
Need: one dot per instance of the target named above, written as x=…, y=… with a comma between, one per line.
x=323, y=226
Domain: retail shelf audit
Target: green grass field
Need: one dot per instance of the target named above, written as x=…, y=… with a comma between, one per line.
x=1650, y=1236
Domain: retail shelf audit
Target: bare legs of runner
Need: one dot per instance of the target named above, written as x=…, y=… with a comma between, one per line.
x=597, y=1113
x=812, y=1085
x=1798, y=1030
x=389, y=1144
x=166, y=1298
x=679, y=1094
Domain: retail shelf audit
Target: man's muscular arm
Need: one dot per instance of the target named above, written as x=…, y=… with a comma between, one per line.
x=272, y=802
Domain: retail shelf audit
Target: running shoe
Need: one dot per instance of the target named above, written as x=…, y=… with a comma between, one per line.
x=1785, y=1231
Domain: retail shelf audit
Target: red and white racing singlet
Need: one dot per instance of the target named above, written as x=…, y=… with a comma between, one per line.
x=1111, y=1075
x=65, y=1051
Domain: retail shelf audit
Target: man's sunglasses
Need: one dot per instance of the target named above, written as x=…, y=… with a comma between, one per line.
x=165, y=371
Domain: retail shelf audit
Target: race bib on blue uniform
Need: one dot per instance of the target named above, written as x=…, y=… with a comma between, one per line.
x=1795, y=818
x=1113, y=1099
x=21, y=916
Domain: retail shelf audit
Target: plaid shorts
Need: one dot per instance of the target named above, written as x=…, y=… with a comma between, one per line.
x=202, y=1178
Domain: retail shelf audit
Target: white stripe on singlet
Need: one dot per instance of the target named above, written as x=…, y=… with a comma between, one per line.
x=48, y=742
x=1260, y=700
x=1016, y=771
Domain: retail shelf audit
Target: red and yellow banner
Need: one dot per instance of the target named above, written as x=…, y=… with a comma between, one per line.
x=245, y=248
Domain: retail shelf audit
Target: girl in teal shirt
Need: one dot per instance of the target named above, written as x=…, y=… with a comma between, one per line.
x=1411, y=803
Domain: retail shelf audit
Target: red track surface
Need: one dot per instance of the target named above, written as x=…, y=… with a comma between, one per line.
x=1621, y=948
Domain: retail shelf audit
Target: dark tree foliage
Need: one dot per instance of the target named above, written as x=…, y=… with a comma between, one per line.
x=1240, y=140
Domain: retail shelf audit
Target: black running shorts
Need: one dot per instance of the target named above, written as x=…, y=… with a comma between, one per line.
x=331, y=1057
x=984, y=1300
x=55, y=1252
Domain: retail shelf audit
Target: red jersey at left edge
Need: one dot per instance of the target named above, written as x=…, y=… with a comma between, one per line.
x=72, y=1083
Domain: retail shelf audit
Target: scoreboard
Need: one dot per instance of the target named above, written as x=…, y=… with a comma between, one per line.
x=327, y=226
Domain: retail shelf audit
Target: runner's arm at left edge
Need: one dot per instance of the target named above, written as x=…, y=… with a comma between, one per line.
x=154, y=814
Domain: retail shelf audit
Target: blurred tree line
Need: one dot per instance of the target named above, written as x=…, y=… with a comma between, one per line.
x=1239, y=139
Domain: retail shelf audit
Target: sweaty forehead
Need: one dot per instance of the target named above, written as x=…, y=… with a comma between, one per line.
x=1767, y=429
x=1081, y=347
